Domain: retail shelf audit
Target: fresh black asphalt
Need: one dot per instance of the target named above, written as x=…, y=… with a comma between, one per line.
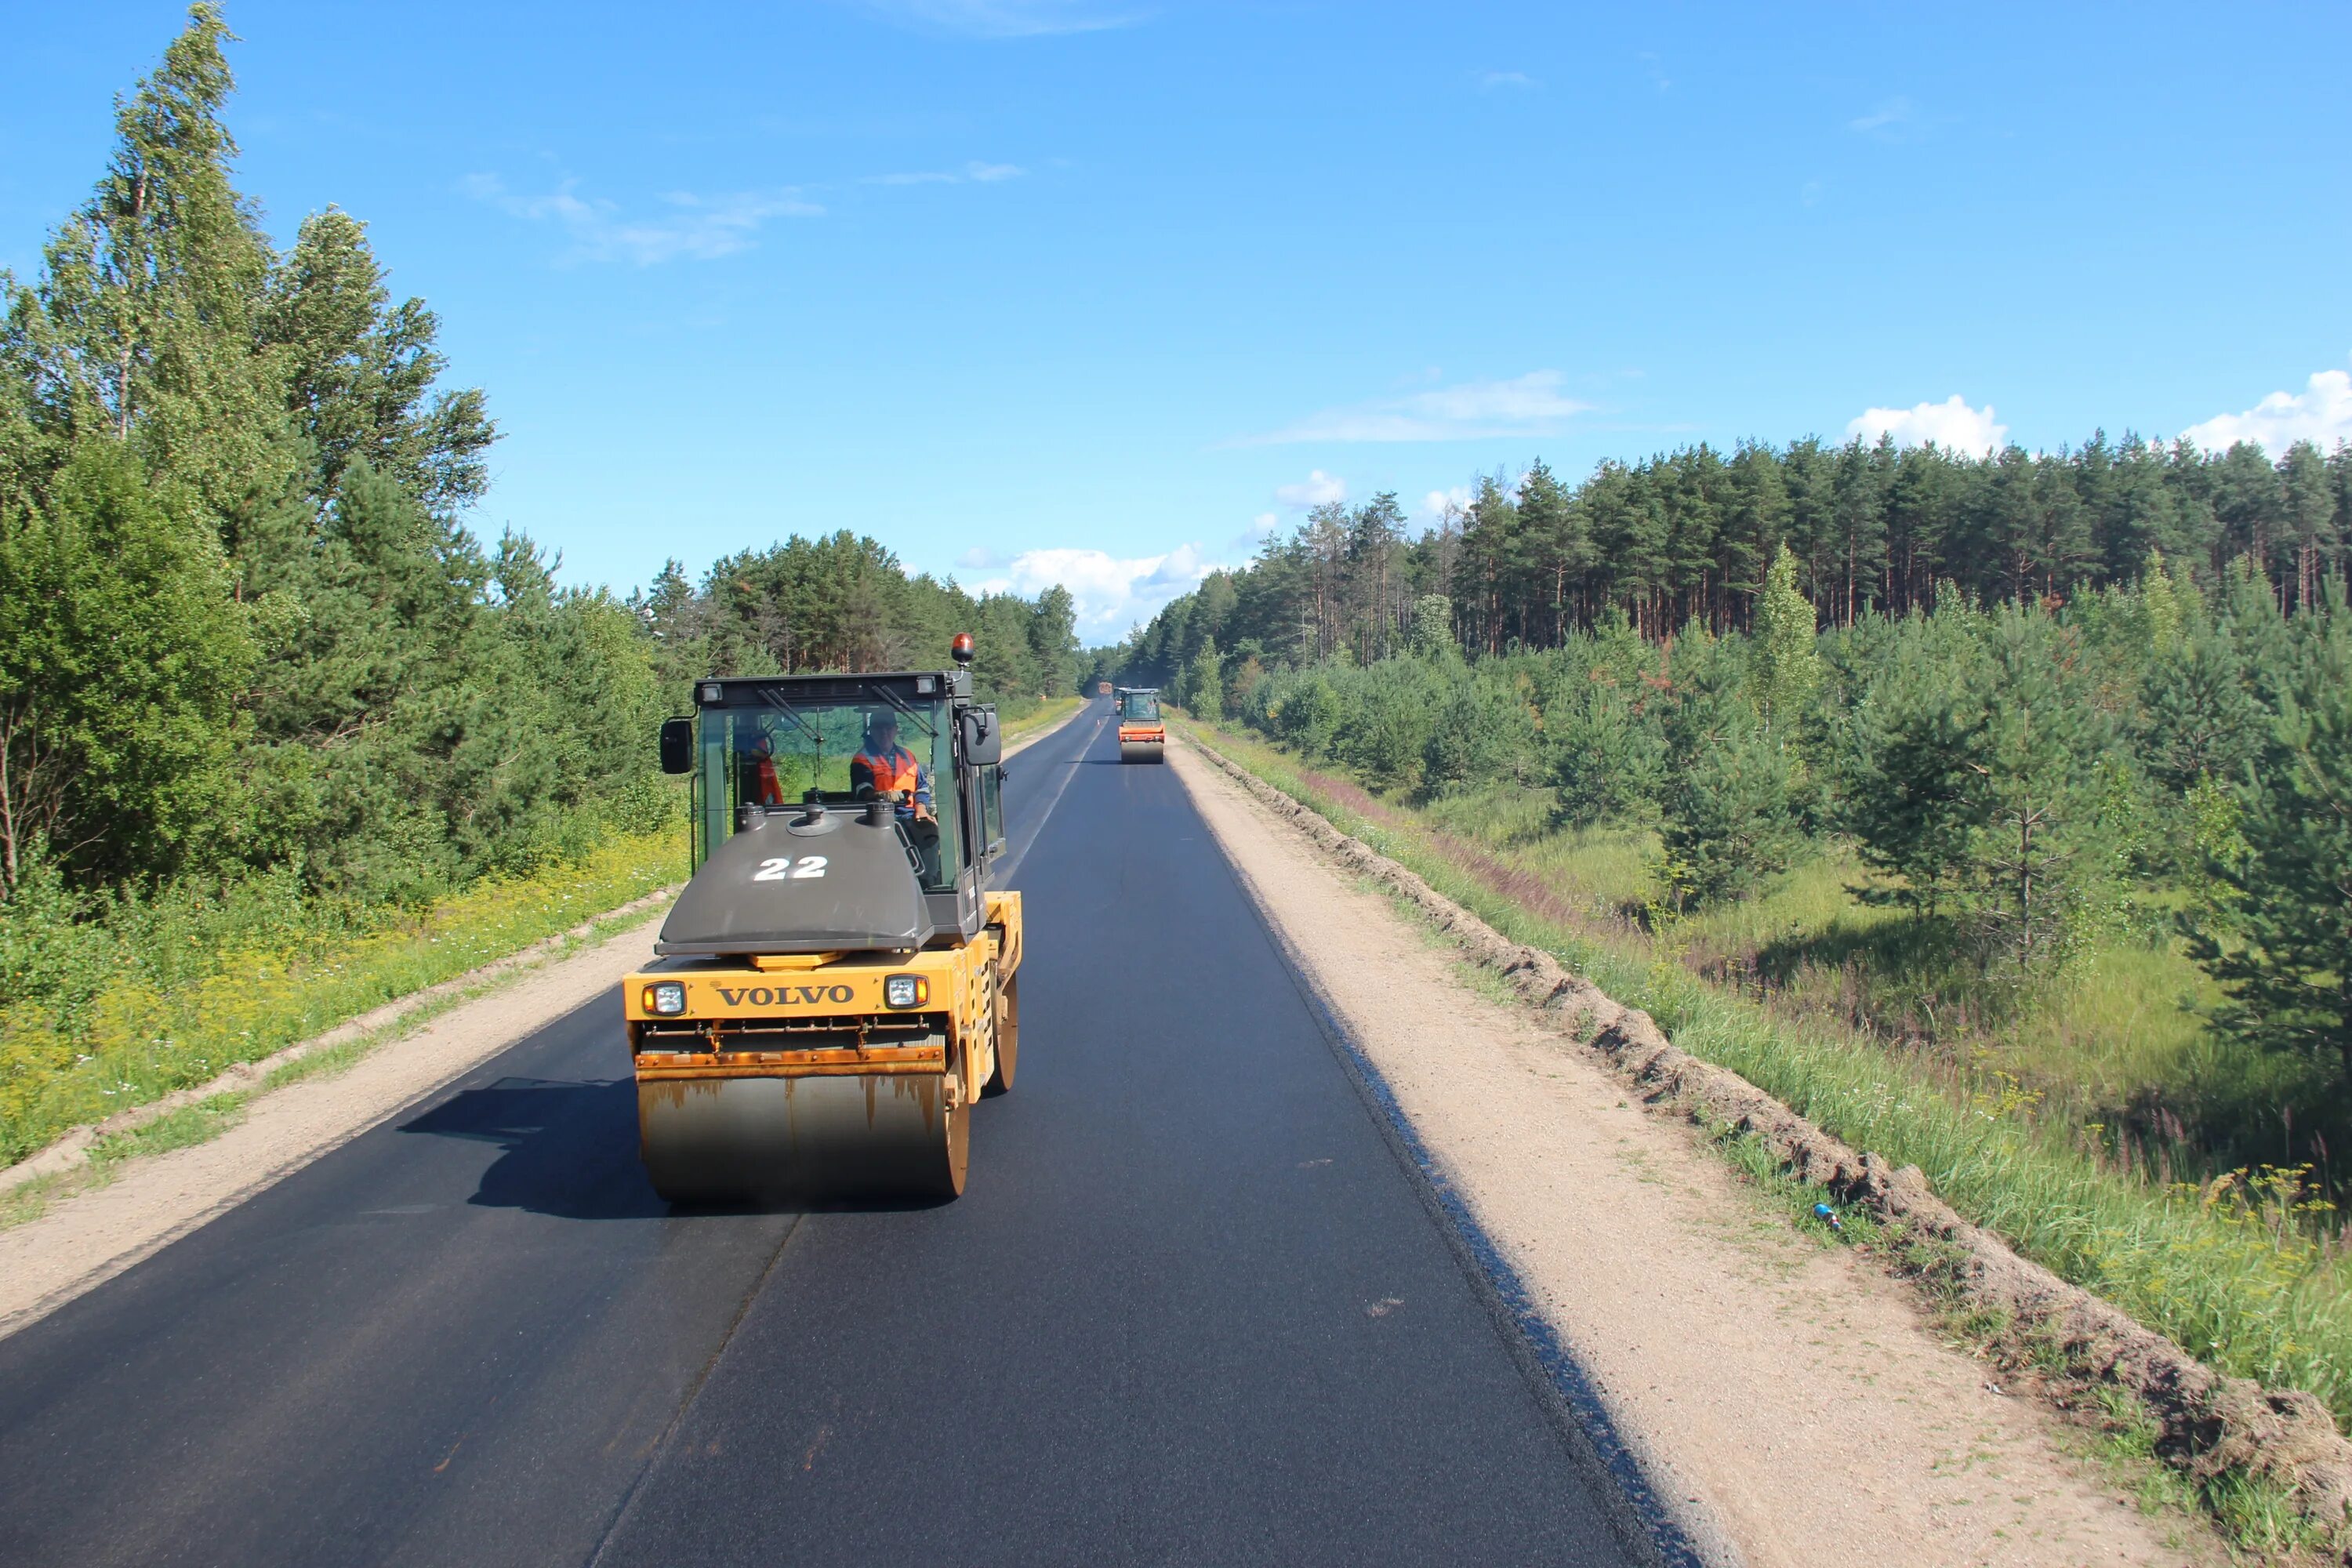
x=1191, y=1308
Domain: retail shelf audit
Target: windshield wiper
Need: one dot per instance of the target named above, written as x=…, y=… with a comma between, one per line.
x=768, y=694
x=924, y=724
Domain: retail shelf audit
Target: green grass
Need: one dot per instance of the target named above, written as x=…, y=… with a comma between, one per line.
x=2221, y=1276
x=1053, y=710
x=2255, y=1515
x=155, y=1028
x=181, y=1127
x=30, y=1200
x=2117, y=1035
x=1755, y=1161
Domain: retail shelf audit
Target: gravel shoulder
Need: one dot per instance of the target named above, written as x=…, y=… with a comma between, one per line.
x=1792, y=1392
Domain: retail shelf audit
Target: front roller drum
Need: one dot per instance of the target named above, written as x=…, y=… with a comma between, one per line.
x=802, y=1142
x=1142, y=751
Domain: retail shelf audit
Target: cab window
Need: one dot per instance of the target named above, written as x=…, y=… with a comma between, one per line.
x=781, y=752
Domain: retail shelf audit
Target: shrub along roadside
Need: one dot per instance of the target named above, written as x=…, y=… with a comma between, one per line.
x=1027, y=715
x=2221, y=1270
x=152, y=1029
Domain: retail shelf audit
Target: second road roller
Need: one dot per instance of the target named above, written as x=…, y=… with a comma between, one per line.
x=1142, y=733
x=838, y=985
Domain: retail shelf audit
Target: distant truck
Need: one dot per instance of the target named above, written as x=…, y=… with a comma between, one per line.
x=1102, y=687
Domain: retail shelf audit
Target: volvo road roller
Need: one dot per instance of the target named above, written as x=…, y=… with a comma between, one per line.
x=836, y=987
x=1142, y=733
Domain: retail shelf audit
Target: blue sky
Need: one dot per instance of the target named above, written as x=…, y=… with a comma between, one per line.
x=1097, y=291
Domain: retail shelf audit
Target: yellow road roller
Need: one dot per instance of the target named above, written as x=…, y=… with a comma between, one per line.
x=1142, y=733
x=837, y=986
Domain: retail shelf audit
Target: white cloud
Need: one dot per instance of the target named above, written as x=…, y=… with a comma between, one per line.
x=1316, y=489
x=1248, y=542
x=1951, y=423
x=1886, y=122
x=1003, y=18
x=1112, y=593
x=1530, y=404
x=976, y=171
x=980, y=558
x=698, y=228
x=1492, y=81
x=1437, y=503
x=2320, y=414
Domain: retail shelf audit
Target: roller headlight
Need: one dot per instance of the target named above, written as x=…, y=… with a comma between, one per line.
x=665, y=1000
x=906, y=991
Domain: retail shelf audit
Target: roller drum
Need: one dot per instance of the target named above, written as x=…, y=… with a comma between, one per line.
x=802, y=1141
x=1008, y=1037
x=1141, y=751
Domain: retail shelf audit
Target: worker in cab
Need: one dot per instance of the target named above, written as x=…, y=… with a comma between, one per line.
x=758, y=750
x=882, y=766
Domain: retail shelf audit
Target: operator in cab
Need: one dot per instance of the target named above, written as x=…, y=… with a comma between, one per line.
x=882, y=766
x=758, y=749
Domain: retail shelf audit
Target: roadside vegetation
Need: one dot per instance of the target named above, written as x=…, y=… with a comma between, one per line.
x=1036, y=714
x=281, y=735
x=173, y=992
x=2048, y=892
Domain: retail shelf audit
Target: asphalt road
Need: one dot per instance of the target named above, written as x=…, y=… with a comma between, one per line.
x=1192, y=1307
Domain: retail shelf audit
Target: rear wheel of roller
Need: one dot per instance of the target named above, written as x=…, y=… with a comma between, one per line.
x=957, y=1153
x=1008, y=1036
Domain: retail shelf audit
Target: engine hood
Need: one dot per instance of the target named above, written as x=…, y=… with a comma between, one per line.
x=790, y=885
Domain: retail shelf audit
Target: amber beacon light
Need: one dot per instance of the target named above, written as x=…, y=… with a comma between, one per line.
x=962, y=647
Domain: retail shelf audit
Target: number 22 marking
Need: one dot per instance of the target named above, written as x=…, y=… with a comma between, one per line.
x=781, y=868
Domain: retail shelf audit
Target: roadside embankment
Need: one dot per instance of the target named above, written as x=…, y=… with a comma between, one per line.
x=2268, y=1463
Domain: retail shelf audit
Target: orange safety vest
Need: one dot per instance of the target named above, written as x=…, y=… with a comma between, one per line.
x=772, y=790
x=899, y=770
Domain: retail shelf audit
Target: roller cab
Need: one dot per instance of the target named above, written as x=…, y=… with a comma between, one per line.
x=1142, y=733
x=837, y=986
